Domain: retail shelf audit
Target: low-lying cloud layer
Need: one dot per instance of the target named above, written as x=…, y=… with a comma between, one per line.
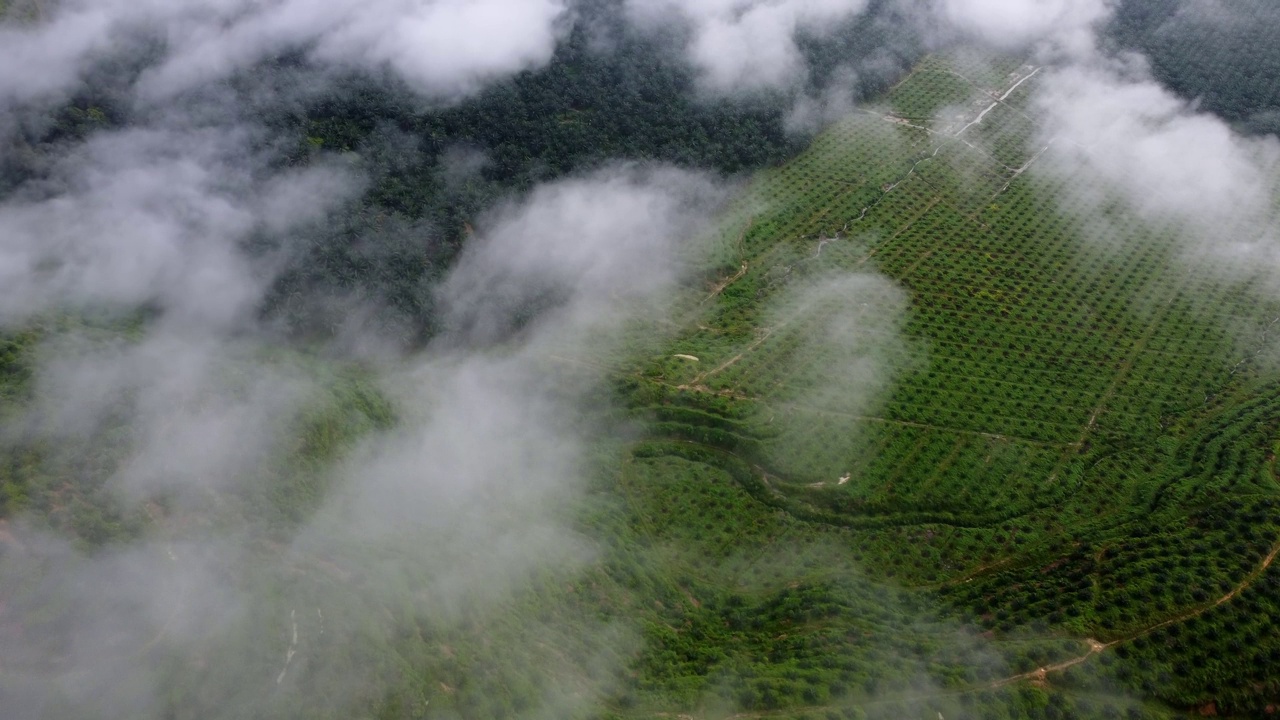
x=601, y=241
x=1110, y=129
x=1015, y=24
x=747, y=45
x=152, y=227
x=1173, y=161
x=176, y=397
x=443, y=48
x=155, y=215
x=457, y=505
x=492, y=439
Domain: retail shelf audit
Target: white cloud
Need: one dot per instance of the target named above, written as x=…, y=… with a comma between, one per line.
x=587, y=243
x=1171, y=160
x=1067, y=24
x=443, y=48
x=154, y=215
x=746, y=45
x=47, y=59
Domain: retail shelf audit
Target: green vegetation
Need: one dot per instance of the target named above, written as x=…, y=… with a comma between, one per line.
x=1220, y=54
x=1087, y=450
x=65, y=476
x=435, y=170
x=920, y=445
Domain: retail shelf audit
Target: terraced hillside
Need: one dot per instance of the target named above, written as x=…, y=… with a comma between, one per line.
x=1030, y=405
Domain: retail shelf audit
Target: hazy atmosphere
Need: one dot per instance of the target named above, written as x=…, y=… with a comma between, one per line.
x=639, y=358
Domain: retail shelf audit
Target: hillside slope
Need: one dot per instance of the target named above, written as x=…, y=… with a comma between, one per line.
x=929, y=431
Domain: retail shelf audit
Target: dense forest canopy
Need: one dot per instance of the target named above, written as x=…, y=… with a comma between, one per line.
x=1223, y=54
x=611, y=92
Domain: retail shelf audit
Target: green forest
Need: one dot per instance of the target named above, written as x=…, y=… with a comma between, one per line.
x=1221, y=54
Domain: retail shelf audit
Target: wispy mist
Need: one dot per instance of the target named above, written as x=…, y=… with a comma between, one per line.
x=493, y=435
x=182, y=402
x=1016, y=24
x=747, y=46
x=462, y=503
x=1108, y=128
x=155, y=215
x=145, y=252
x=444, y=48
x=1171, y=160
x=1111, y=130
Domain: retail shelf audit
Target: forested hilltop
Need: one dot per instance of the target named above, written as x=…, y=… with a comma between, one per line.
x=610, y=93
x=1223, y=54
